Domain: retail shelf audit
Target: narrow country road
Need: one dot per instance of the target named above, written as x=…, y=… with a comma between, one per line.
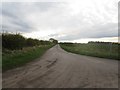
x=60, y=69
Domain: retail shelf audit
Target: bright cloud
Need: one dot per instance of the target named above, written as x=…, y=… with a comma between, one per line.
x=73, y=20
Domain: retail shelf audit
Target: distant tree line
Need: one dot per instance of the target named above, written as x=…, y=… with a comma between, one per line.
x=67, y=43
x=100, y=42
x=17, y=41
x=91, y=43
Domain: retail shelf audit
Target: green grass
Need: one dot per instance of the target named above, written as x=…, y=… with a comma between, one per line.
x=97, y=50
x=18, y=58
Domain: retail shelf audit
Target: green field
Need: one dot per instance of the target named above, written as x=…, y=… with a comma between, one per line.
x=98, y=50
x=15, y=58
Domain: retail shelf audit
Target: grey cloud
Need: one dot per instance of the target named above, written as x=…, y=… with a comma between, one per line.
x=13, y=19
x=99, y=31
x=45, y=6
x=57, y=16
x=13, y=14
x=53, y=35
x=22, y=24
x=7, y=13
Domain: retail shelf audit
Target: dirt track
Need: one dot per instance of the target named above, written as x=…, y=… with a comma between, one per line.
x=60, y=69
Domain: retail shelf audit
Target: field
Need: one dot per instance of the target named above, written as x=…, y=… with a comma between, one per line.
x=102, y=50
x=15, y=58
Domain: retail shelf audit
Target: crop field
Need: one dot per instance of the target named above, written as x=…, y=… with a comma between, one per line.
x=103, y=50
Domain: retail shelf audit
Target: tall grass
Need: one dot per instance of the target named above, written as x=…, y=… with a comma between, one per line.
x=99, y=50
x=12, y=59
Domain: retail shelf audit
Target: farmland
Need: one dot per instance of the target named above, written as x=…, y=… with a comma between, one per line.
x=103, y=50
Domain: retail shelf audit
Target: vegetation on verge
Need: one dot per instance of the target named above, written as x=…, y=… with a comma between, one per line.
x=18, y=50
x=20, y=57
x=98, y=49
x=18, y=42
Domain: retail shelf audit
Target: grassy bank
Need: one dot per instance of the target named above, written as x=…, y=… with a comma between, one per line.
x=97, y=50
x=13, y=59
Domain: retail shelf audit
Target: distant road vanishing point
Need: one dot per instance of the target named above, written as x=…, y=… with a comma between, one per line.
x=60, y=69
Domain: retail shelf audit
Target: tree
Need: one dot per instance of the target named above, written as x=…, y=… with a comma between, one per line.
x=13, y=41
x=53, y=40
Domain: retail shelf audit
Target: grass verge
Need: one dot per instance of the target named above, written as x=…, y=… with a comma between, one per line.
x=19, y=58
x=102, y=51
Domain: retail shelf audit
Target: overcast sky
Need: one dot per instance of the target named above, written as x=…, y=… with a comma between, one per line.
x=72, y=21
